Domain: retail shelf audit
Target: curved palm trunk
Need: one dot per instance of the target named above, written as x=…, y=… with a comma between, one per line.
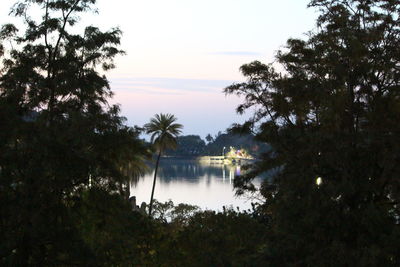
x=154, y=183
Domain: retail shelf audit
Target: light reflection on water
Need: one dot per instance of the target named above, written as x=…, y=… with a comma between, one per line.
x=209, y=186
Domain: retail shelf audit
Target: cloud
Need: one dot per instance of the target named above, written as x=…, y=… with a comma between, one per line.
x=236, y=53
x=171, y=86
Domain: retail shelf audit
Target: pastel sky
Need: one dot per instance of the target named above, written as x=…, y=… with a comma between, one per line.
x=182, y=53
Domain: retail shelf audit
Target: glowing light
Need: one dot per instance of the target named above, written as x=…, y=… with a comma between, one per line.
x=318, y=181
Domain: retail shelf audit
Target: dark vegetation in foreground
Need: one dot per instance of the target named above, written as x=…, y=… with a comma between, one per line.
x=175, y=236
x=332, y=118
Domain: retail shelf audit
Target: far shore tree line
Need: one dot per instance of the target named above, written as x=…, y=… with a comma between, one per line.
x=327, y=111
x=191, y=146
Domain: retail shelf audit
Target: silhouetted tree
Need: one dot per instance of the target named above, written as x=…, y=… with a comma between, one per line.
x=244, y=141
x=164, y=132
x=57, y=130
x=209, y=138
x=331, y=116
x=225, y=238
x=188, y=146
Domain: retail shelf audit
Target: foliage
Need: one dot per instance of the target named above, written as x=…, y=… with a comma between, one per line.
x=114, y=234
x=188, y=146
x=180, y=235
x=164, y=130
x=177, y=215
x=209, y=138
x=239, y=141
x=332, y=113
x=58, y=133
x=194, y=146
x=162, y=211
x=183, y=235
x=222, y=239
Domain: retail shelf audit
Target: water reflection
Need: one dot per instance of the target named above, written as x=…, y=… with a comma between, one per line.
x=188, y=181
x=191, y=171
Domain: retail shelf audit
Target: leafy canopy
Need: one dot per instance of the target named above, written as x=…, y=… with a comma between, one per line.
x=164, y=130
x=58, y=134
x=330, y=115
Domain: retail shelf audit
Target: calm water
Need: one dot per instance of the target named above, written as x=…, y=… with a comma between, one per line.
x=186, y=181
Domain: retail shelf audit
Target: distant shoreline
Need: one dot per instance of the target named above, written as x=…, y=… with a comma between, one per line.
x=204, y=159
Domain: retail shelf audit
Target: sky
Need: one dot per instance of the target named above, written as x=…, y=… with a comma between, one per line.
x=182, y=53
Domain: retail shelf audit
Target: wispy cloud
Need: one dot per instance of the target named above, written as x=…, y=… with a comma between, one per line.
x=236, y=53
x=171, y=86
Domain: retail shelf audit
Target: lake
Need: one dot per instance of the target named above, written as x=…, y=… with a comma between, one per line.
x=209, y=186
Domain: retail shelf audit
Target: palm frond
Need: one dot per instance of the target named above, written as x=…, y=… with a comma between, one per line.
x=164, y=130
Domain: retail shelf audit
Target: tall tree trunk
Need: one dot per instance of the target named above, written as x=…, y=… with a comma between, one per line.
x=127, y=192
x=154, y=183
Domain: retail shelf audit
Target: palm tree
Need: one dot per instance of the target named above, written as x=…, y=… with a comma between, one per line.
x=164, y=132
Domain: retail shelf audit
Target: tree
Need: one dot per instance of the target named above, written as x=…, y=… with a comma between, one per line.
x=188, y=146
x=164, y=132
x=57, y=130
x=225, y=238
x=209, y=138
x=237, y=140
x=331, y=116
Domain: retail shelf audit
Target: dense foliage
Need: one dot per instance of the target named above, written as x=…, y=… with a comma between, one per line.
x=191, y=237
x=188, y=146
x=67, y=157
x=331, y=116
x=58, y=135
x=194, y=146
